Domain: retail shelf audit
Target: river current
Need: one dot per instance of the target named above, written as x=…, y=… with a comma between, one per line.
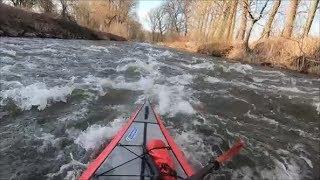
x=61, y=101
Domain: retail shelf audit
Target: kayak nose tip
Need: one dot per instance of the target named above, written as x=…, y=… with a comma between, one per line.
x=146, y=112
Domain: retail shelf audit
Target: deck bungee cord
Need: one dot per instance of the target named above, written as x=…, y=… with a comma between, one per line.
x=143, y=149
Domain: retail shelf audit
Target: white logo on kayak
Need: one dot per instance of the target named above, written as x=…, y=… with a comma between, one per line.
x=132, y=134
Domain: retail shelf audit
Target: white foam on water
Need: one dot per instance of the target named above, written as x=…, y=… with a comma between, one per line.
x=303, y=152
x=5, y=69
x=183, y=79
x=48, y=50
x=172, y=95
x=149, y=66
x=97, y=48
x=76, y=114
x=144, y=83
x=96, y=135
x=144, y=44
x=287, y=89
x=212, y=80
x=270, y=72
x=37, y=94
x=242, y=68
x=5, y=85
x=171, y=100
x=6, y=59
x=250, y=85
x=283, y=170
x=137, y=53
x=245, y=172
x=153, y=51
x=99, y=84
x=195, y=148
x=8, y=52
x=204, y=65
x=73, y=170
x=263, y=118
x=128, y=59
x=96, y=84
x=259, y=80
x=48, y=140
x=270, y=121
x=305, y=134
x=317, y=106
x=167, y=53
x=308, y=161
x=164, y=101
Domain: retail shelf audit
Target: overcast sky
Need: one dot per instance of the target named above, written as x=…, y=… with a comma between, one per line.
x=144, y=6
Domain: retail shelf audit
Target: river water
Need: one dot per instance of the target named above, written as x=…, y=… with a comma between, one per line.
x=62, y=100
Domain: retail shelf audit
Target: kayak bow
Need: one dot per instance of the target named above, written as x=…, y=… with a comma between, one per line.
x=125, y=156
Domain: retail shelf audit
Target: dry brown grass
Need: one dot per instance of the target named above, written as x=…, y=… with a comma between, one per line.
x=302, y=55
x=181, y=44
x=218, y=49
x=296, y=54
x=238, y=52
x=119, y=29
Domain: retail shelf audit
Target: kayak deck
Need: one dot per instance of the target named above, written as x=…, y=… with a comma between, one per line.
x=124, y=157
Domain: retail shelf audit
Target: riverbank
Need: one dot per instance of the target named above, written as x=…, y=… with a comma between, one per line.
x=16, y=22
x=302, y=55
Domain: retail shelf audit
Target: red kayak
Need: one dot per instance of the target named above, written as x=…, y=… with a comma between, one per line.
x=142, y=149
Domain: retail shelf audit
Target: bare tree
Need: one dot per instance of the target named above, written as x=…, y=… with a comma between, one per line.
x=186, y=15
x=112, y=16
x=243, y=22
x=231, y=21
x=160, y=18
x=158, y=22
x=24, y=3
x=253, y=21
x=312, y=12
x=47, y=6
x=273, y=12
x=153, y=24
x=290, y=17
x=64, y=9
x=222, y=26
x=174, y=11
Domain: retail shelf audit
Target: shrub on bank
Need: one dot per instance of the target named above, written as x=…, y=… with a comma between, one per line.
x=301, y=55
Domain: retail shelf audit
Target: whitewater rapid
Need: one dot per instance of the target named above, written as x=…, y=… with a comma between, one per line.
x=62, y=100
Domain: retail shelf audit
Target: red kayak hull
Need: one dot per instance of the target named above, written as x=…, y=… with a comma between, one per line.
x=92, y=168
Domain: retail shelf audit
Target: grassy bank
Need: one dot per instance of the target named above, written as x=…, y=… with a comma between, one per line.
x=17, y=22
x=302, y=55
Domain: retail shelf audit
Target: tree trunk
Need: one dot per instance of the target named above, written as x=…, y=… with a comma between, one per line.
x=311, y=15
x=186, y=16
x=246, y=40
x=206, y=21
x=291, y=15
x=243, y=23
x=253, y=20
x=216, y=27
x=223, y=25
x=231, y=20
x=268, y=26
